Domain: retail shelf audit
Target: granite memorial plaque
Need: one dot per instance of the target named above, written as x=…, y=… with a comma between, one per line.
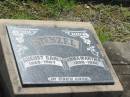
x=57, y=56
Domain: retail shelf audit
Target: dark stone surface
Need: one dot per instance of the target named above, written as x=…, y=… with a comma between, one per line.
x=57, y=56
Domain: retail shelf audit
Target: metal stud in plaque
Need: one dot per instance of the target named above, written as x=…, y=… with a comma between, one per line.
x=57, y=56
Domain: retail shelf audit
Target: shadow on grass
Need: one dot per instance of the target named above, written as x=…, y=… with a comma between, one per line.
x=125, y=3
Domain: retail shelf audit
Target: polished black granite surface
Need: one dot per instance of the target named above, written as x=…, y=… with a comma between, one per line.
x=47, y=56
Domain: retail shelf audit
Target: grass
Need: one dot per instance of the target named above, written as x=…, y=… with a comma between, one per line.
x=112, y=22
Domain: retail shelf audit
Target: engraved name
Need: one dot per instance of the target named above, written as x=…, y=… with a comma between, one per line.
x=35, y=60
x=56, y=40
